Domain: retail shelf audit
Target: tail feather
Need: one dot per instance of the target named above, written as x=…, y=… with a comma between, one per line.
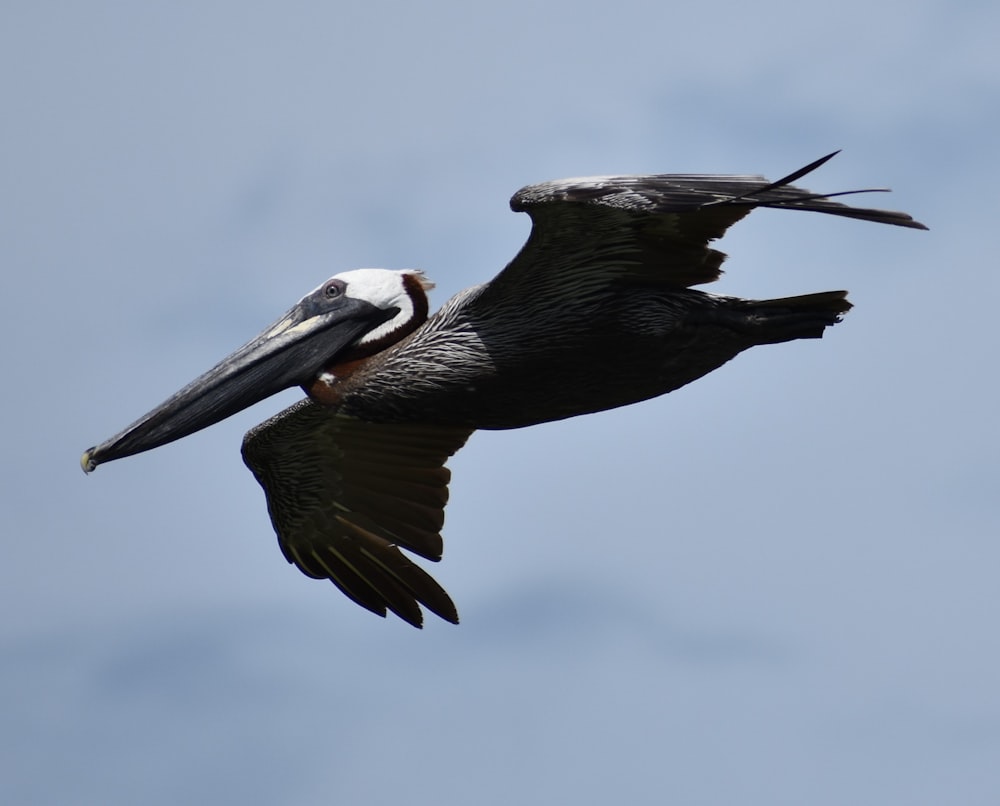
x=772, y=321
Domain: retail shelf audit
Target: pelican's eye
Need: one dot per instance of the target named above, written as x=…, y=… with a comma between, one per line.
x=334, y=288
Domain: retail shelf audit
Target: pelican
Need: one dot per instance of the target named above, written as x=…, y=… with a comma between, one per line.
x=596, y=311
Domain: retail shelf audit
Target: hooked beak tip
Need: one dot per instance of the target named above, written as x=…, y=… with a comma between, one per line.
x=87, y=461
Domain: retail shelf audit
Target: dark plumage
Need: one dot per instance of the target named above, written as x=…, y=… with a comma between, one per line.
x=596, y=311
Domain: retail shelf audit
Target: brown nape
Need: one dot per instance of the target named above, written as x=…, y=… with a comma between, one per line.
x=421, y=305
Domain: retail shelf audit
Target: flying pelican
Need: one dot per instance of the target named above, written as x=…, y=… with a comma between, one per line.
x=596, y=311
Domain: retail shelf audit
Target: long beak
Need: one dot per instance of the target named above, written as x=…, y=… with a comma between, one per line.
x=289, y=353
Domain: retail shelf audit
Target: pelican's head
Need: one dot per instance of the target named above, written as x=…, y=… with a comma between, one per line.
x=352, y=315
x=402, y=292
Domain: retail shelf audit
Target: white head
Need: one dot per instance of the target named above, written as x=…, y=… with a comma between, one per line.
x=404, y=289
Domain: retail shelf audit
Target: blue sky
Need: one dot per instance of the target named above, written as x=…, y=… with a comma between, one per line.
x=777, y=585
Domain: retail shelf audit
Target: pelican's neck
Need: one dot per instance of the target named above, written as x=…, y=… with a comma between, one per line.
x=327, y=389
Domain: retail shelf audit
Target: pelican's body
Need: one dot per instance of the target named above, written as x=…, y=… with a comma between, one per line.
x=595, y=312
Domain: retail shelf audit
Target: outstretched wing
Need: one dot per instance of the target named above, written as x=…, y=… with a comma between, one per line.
x=649, y=228
x=344, y=495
